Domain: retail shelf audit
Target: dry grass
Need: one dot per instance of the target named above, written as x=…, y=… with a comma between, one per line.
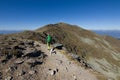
x=100, y=76
x=90, y=46
x=97, y=74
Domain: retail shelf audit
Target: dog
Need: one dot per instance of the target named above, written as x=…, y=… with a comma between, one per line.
x=52, y=51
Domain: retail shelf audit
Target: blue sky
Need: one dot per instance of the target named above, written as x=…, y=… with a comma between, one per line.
x=32, y=14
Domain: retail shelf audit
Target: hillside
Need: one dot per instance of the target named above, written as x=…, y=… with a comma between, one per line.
x=100, y=55
x=24, y=59
x=98, y=52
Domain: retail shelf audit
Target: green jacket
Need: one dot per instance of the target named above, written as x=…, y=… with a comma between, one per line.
x=49, y=38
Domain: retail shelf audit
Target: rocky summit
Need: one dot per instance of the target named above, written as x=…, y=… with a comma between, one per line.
x=78, y=54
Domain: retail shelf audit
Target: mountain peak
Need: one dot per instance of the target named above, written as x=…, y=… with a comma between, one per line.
x=59, y=25
x=101, y=54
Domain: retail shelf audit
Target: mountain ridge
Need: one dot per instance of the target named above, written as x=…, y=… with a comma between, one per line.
x=100, y=53
x=93, y=49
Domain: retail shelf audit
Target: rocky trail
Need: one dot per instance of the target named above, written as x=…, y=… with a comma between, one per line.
x=58, y=67
x=34, y=62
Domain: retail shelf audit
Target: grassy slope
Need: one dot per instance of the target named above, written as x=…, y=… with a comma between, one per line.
x=102, y=53
x=94, y=49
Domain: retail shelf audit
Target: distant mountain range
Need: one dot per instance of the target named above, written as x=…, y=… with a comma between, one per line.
x=9, y=31
x=113, y=33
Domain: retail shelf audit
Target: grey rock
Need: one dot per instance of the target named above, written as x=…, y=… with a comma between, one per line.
x=33, y=62
x=9, y=78
x=19, y=61
x=74, y=55
x=61, y=61
x=21, y=43
x=58, y=45
x=32, y=53
x=11, y=68
x=18, y=47
x=75, y=78
x=1, y=43
x=69, y=63
x=21, y=72
x=4, y=61
x=29, y=61
x=21, y=78
x=32, y=72
x=57, y=70
x=53, y=72
x=0, y=75
x=36, y=44
x=8, y=69
x=14, y=67
x=29, y=42
x=64, y=48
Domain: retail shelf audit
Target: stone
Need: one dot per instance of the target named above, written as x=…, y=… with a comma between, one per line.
x=11, y=68
x=29, y=42
x=32, y=53
x=53, y=72
x=36, y=44
x=0, y=75
x=61, y=61
x=29, y=61
x=19, y=61
x=1, y=43
x=4, y=61
x=58, y=45
x=9, y=78
x=8, y=69
x=33, y=62
x=18, y=47
x=20, y=73
x=14, y=67
x=56, y=70
x=21, y=43
x=32, y=72
x=66, y=69
x=69, y=63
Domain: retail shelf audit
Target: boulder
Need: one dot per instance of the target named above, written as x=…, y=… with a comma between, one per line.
x=58, y=45
x=32, y=53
